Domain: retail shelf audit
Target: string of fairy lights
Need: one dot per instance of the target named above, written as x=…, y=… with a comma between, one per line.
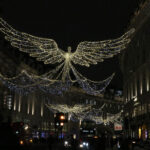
x=60, y=79
x=76, y=109
x=98, y=117
x=88, y=112
x=25, y=83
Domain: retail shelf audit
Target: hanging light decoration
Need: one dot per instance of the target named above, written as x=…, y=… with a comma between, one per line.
x=47, y=50
x=90, y=113
x=76, y=109
x=96, y=115
x=25, y=83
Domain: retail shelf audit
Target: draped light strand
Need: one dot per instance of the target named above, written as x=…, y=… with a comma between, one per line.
x=76, y=109
x=25, y=83
x=46, y=50
x=97, y=116
x=91, y=87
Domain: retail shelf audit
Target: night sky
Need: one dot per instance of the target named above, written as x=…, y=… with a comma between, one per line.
x=69, y=23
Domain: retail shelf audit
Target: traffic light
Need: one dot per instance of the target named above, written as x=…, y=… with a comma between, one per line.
x=61, y=124
x=60, y=119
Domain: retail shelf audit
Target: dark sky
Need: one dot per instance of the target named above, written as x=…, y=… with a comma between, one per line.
x=69, y=23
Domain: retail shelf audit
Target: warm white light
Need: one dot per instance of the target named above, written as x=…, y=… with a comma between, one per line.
x=77, y=108
x=21, y=142
x=141, y=89
x=33, y=104
x=81, y=145
x=61, y=124
x=15, y=102
x=69, y=116
x=19, y=104
x=31, y=141
x=80, y=122
x=62, y=117
x=66, y=143
x=26, y=127
x=28, y=107
x=42, y=109
x=147, y=85
x=135, y=98
x=74, y=136
x=67, y=56
x=87, y=53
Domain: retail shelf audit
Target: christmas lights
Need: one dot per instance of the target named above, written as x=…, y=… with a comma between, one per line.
x=97, y=116
x=89, y=86
x=25, y=83
x=76, y=109
x=86, y=54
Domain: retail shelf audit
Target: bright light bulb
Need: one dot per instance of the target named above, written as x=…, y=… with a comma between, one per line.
x=67, y=56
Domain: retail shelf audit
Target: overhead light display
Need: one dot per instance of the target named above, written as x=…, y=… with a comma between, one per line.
x=76, y=109
x=43, y=49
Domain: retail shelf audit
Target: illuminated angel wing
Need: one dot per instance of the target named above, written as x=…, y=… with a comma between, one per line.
x=88, y=53
x=43, y=49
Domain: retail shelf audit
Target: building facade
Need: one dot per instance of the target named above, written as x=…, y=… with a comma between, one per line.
x=135, y=65
x=29, y=109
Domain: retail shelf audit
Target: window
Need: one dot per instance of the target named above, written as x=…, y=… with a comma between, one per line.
x=9, y=102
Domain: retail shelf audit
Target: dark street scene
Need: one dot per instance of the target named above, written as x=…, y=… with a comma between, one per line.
x=74, y=75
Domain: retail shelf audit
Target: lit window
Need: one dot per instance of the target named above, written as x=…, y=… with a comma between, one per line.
x=9, y=102
x=42, y=109
x=15, y=102
x=28, y=107
x=19, y=104
x=33, y=106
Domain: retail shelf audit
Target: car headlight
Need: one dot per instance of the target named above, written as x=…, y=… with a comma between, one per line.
x=81, y=145
x=66, y=143
x=31, y=141
x=133, y=142
x=21, y=142
x=85, y=144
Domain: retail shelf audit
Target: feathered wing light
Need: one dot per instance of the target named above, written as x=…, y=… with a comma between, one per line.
x=92, y=114
x=88, y=53
x=43, y=49
x=76, y=109
x=96, y=115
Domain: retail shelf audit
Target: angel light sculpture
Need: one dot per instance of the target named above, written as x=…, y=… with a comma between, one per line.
x=87, y=53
